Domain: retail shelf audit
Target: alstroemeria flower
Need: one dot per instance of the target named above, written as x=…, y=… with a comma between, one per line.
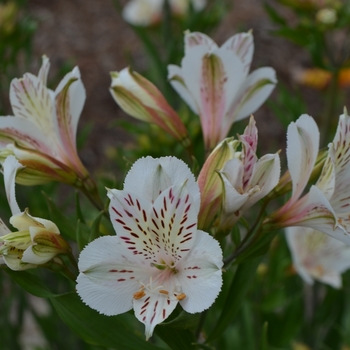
x=317, y=256
x=214, y=82
x=141, y=99
x=246, y=179
x=147, y=12
x=326, y=206
x=210, y=184
x=42, y=132
x=37, y=240
x=158, y=257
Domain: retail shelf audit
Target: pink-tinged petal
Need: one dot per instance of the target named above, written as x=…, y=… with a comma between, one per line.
x=252, y=94
x=315, y=211
x=141, y=99
x=339, y=151
x=178, y=83
x=318, y=256
x=158, y=175
x=250, y=142
x=174, y=224
x=70, y=98
x=25, y=134
x=200, y=274
x=213, y=99
x=33, y=101
x=109, y=276
x=44, y=70
x=241, y=45
x=131, y=219
x=10, y=168
x=153, y=309
x=266, y=175
x=198, y=39
x=302, y=149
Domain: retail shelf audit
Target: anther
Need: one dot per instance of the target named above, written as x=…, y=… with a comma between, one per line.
x=140, y=294
x=181, y=296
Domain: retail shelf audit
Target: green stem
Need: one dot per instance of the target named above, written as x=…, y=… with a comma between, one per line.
x=250, y=237
x=329, y=109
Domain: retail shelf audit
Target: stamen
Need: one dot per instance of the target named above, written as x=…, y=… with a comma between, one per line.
x=140, y=294
x=163, y=291
x=181, y=296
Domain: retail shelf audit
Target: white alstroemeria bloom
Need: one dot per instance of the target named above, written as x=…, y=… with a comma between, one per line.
x=158, y=257
x=215, y=83
x=147, y=12
x=42, y=132
x=37, y=240
x=247, y=179
x=317, y=256
x=326, y=206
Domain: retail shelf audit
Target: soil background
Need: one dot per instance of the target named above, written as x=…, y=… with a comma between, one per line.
x=92, y=35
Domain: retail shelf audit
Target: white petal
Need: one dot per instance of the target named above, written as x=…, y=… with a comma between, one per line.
x=326, y=181
x=44, y=70
x=70, y=98
x=31, y=257
x=252, y=94
x=153, y=309
x=200, y=274
x=266, y=175
x=302, y=149
x=178, y=83
x=142, y=12
x=148, y=177
x=4, y=230
x=296, y=247
x=32, y=100
x=198, y=39
x=109, y=276
x=318, y=255
x=242, y=45
x=10, y=167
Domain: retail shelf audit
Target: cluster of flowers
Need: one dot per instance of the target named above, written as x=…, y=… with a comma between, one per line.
x=161, y=254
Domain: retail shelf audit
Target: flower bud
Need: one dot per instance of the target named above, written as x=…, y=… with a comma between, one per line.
x=139, y=98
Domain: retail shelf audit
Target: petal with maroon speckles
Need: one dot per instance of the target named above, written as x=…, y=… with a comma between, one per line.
x=109, y=276
x=131, y=220
x=174, y=224
x=200, y=274
x=153, y=309
x=158, y=175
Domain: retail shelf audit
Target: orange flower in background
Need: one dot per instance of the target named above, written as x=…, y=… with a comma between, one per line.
x=319, y=79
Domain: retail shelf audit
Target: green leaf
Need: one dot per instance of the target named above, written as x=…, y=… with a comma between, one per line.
x=264, y=345
x=177, y=339
x=95, y=227
x=184, y=320
x=274, y=15
x=78, y=208
x=30, y=282
x=242, y=280
x=66, y=226
x=116, y=332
